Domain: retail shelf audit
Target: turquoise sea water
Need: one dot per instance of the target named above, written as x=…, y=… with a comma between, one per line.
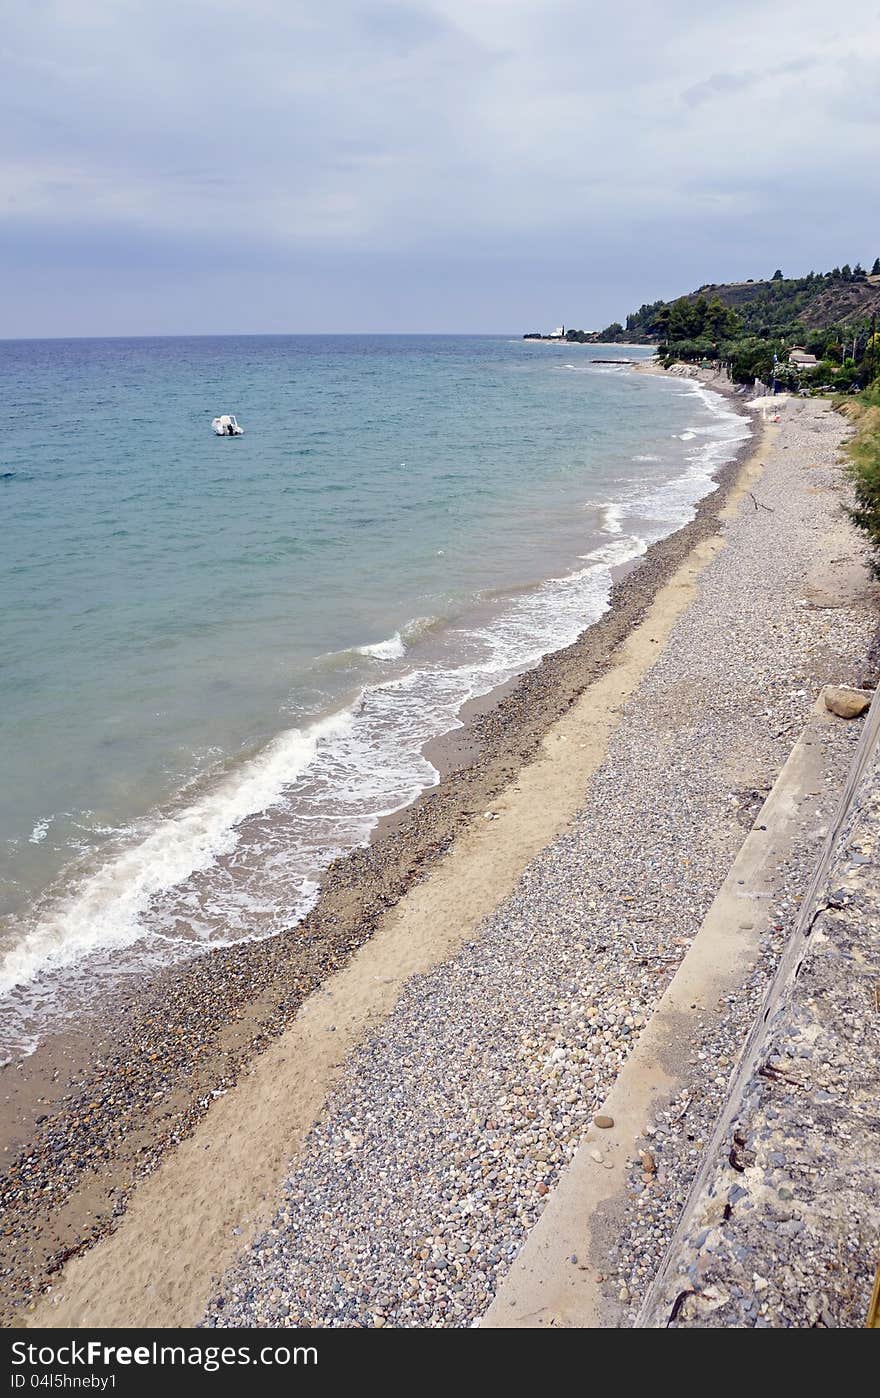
x=222, y=657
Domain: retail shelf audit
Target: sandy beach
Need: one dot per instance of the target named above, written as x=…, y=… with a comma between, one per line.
x=360, y=1126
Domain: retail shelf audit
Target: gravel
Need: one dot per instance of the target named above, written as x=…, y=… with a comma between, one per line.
x=95, y=1110
x=680, y=1134
x=782, y=1229
x=452, y=1124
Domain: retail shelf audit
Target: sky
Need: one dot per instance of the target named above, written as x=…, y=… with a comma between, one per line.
x=223, y=166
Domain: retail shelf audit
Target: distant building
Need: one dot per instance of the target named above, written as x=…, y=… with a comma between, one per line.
x=800, y=359
x=557, y=334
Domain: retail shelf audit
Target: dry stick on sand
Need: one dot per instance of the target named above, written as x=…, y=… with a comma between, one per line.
x=759, y=504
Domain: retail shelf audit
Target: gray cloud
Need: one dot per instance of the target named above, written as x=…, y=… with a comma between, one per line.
x=717, y=85
x=722, y=84
x=478, y=162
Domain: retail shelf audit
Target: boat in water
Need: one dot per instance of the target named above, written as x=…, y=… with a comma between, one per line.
x=227, y=426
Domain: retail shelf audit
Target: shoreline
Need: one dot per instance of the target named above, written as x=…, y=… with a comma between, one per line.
x=193, y=1029
x=88, y=921
x=453, y=1123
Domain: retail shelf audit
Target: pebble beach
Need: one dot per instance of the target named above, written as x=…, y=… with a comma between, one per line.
x=435, y=1157
x=448, y=1125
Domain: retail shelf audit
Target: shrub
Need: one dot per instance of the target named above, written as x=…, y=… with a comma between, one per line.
x=864, y=467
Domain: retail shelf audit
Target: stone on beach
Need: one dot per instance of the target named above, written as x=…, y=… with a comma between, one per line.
x=846, y=703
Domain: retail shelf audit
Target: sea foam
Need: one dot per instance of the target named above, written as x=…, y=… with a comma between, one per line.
x=392, y=649
x=242, y=857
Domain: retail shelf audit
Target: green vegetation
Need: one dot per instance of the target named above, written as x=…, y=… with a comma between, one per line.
x=864, y=465
x=765, y=330
x=752, y=327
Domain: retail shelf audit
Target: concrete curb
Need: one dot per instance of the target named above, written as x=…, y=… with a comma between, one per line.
x=545, y=1287
x=770, y=1034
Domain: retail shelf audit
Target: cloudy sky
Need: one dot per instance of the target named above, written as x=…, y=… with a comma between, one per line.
x=173, y=166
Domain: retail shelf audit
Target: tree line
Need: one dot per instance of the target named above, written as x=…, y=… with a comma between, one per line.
x=755, y=336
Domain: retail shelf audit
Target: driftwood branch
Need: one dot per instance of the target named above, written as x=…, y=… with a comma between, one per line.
x=759, y=504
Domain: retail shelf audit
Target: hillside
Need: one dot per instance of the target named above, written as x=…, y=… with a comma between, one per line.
x=817, y=302
x=753, y=326
x=841, y=298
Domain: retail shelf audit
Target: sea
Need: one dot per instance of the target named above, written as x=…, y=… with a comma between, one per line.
x=221, y=658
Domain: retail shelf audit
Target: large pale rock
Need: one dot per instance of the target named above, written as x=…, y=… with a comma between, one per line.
x=846, y=703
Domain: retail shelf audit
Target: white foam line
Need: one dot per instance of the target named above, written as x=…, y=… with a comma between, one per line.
x=611, y=516
x=367, y=762
x=392, y=649
x=352, y=768
x=105, y=911
x=40, y=830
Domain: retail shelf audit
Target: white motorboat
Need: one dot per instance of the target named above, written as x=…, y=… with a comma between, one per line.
x=227, y=426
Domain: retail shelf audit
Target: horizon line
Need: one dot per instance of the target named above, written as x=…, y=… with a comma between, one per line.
x=264, y=334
